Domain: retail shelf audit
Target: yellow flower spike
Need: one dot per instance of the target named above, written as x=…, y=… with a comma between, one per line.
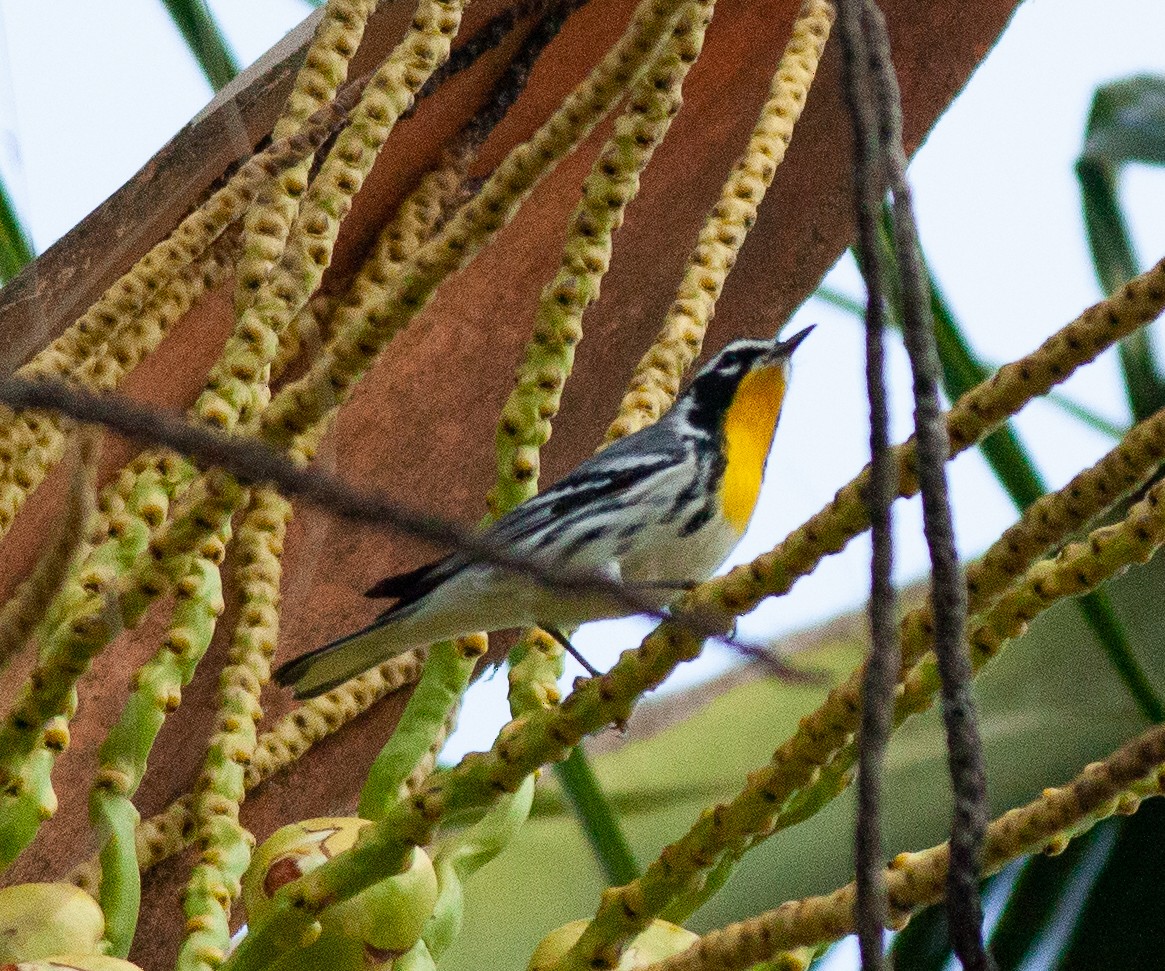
x=416, y=218
x=656, y=381
x=329, y=382
x=611, y=184
x=328, y=199
x=915, y=880
x=181, y=248
x=125, y=752
x=411, y=225
x=31, y=600
x=302, y=727
x=1078, y=568
x=226, y=845
x=105, y=370
x=78, y=625
x=324, y=69
x=524, y=425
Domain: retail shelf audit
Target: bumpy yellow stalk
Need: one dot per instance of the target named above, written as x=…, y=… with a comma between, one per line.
x=29, y=602
x=1078, y=569
x=129, y=508
x=33, y=443
x=535, y=668
x=914, y=880
x=111, y=590
x=413, y=223
x=657, y=378
x=314, y=720
x=251, y=349
x=184, y=245
x=172, y=830
x=225, y=844
x=330, y=381
x=156, y=691
x=612, y=183
x=324, y=69
x=524, y=426
x=305, y=332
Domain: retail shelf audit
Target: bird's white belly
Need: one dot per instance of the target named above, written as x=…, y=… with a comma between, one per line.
x=484, y=598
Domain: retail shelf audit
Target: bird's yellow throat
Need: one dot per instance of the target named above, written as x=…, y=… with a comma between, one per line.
x=748, y=435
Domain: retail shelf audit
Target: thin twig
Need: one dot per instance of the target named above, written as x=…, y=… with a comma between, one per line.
x=948, y=592
x=253, y=461
x=881, y=675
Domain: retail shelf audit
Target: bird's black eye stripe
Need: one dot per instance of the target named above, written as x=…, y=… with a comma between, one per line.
x=711, y=393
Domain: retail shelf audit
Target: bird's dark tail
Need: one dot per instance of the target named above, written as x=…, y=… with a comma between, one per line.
x=330, y=666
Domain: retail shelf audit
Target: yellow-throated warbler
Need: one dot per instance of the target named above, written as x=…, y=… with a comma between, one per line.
x=661, y=510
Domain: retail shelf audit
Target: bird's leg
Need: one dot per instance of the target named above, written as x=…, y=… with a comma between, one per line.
x=571, y=649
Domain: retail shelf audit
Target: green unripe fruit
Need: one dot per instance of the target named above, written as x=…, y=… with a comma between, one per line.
x=289, y=853
x=388, y=917
x=38, y=920
x=369, y=930
x=74, y=962
x=660, y=940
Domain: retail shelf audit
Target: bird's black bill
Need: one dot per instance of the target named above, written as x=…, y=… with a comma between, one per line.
x=787, y=347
